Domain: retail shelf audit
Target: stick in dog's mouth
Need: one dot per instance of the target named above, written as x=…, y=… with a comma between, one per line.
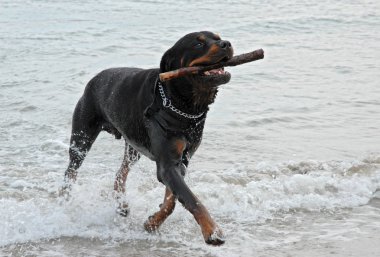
x=213, y=69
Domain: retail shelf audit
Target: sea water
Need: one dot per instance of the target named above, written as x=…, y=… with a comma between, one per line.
x=290, y=159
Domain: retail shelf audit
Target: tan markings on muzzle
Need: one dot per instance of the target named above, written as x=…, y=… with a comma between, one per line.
x=207, y=57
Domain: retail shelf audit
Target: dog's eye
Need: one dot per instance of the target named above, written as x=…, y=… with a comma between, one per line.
x=198, y=45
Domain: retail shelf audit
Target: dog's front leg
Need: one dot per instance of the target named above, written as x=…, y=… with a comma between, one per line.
x=169, y=173
x=172, y=178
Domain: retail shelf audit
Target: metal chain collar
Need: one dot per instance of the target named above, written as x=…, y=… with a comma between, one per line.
x=168, y=104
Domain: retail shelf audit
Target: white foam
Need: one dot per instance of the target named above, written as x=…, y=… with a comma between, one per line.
x=90, y=212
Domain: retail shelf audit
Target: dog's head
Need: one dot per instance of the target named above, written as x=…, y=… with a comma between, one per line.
x=199, y=49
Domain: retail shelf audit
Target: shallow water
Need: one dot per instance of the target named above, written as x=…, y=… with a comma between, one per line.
x=290, y=159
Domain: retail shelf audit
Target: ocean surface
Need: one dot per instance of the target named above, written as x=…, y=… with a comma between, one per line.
x=290, y=159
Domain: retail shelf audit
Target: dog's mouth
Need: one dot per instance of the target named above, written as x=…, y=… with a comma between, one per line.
x=216, y=76
x=217, y=72
x=213, y=77
x=214, y=72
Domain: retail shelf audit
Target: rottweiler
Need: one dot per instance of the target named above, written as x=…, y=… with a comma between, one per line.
x=161, y=120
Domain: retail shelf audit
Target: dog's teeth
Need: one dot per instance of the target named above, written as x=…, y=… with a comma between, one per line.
x=219, y=71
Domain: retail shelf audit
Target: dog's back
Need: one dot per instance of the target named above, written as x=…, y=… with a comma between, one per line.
x=118, y=90
x=115, y=101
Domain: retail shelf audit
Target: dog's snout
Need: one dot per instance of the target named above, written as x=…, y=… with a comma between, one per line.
x=224, y=44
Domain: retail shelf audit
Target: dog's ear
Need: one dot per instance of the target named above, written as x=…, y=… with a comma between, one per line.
x=167, y=61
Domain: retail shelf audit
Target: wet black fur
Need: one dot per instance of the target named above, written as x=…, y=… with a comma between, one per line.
x=126, y=103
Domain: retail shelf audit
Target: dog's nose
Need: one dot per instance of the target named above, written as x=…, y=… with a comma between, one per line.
x=224, y=44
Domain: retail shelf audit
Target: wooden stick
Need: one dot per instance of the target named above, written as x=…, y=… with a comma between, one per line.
x=236, y=60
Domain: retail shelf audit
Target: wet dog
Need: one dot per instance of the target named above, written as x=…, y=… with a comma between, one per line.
x=161, y=120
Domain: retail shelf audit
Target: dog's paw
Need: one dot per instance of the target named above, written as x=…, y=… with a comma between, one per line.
x=64, y=191
x=123, y=210
x=150, y=226
x=215, y=238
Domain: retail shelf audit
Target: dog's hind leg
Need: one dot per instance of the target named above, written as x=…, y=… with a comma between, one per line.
x=166, y=208
x=131, y=156
x=85, y=129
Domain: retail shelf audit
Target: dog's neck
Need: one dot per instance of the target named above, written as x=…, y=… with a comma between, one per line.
x=190, y=98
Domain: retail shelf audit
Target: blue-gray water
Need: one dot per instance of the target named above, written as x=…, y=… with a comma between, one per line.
x=290, y=159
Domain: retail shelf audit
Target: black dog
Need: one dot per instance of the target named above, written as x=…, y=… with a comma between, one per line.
x=162, y=120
